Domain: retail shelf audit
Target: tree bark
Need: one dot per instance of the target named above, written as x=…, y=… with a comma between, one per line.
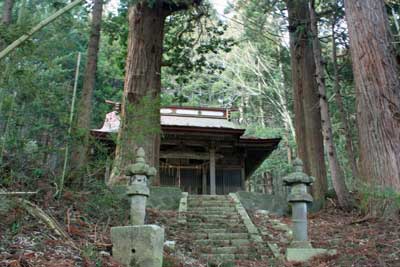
x=79, y=155
x=141, y=101
x=6, y=18
x=338, y=178
x=140, y=116
x=342, y=112
x=305, y=93
x=377, y=92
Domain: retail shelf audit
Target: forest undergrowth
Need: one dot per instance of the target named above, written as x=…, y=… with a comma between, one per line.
x=25, y=241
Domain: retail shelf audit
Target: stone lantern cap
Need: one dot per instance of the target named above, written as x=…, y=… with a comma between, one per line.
x=300, y=197
x=138, y=174
x=140, y=167
x=298, y=181
x=298, y=176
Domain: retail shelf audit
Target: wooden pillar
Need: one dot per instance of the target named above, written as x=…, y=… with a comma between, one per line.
x=243, y=174
x=212, y=172
x=178, y=174
x=204, y=179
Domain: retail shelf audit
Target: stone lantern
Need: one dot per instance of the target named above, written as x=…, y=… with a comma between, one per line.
x=299, y=197
x=138, y=190
x=300, y=248
x=139, y=244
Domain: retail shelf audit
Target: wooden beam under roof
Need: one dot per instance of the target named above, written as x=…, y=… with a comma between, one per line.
x=187, y=155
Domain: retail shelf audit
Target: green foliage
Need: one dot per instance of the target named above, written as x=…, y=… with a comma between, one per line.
x=105, y=204
x=35, y=90
x=277, y=163
x=5, y=206
x=142, y=118
x=208, y=61
x=91, y=253
x=15, y=227
x=189, y=36
x=379, y=201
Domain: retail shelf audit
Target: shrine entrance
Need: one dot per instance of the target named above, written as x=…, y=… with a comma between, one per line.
x=202, y=151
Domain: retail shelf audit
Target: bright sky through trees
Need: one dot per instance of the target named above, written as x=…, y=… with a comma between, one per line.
x=219, y=5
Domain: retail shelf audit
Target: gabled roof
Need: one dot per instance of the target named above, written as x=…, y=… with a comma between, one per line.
x=209, y=122
x=200, y=122
x=187, y=117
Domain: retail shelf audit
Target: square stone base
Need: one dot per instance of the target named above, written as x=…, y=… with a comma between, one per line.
x=304, y=254
x=138, y=245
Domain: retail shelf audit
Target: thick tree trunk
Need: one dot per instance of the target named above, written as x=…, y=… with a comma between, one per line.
x=6, y=18
x=307, y=115
x=377, y=92
x=338, y=179
x=342, y=112
x=79, y=155
x=141, y=104
x=140, y=125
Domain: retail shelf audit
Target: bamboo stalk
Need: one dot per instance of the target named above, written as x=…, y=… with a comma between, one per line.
x=6, y=128
x=38, y=27
x=17, y=194
x=71, y=118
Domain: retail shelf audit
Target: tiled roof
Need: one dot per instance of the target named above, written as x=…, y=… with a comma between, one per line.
x=112, y=122
x=198, y=122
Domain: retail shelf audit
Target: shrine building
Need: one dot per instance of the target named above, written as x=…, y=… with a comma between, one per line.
x=202, y=151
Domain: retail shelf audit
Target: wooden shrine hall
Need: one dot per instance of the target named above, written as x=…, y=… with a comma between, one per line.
x=202, y=151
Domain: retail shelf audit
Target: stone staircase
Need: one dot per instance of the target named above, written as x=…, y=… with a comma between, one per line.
x=221, y=230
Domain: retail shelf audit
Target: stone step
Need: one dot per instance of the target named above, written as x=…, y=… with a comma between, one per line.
x=197, y=225
x=226, y=199
x=213, y=212
x=213, y=216
x=217, y=258
x=227, y=236
x=230, y=228
x=219, y=230
x=223, y=258
x=215, y=220
x=203, y=200
x=227, y=250
x=208, y=197
x=212, y=209
x=196, y=204
x=220, y=236
x=251, y=250
x=222, y=243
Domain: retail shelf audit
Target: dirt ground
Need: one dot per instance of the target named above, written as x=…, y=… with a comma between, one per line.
x=25, y=242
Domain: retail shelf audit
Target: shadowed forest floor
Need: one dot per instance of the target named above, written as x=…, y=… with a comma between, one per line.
x=26, y=242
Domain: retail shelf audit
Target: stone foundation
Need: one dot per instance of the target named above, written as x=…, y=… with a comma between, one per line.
x=138, y=245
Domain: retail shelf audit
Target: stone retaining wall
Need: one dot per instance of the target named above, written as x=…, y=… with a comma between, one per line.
x=164, y=198
x=258, y=201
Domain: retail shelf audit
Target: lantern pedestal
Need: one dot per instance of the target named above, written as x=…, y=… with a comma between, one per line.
x=300, y=248
x=138, y=245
